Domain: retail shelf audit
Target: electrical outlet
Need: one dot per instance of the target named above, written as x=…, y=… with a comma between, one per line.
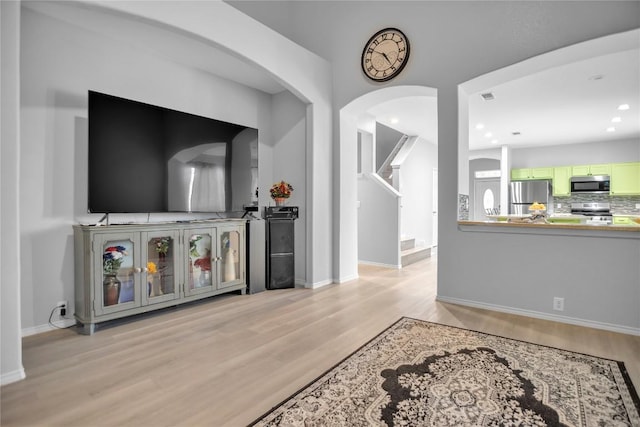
x=637, y=205
x=559, y=205
x=558, y=304
x=62, y=305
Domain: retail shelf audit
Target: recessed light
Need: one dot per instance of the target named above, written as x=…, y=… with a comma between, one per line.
x=394, y=120
x=480, y=126
x=623, y=107
x=494, y=141
x=611, y=129
x=488, y=135
x=616, y=120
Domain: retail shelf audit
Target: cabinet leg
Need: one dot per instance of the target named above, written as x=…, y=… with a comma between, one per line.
x=87, y=328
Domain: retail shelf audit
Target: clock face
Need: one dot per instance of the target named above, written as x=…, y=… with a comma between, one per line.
x=385, y=54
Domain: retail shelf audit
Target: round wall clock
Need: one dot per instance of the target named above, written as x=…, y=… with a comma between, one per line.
x=385, y=54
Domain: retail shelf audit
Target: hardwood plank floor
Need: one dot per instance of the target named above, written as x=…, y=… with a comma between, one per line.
x=226, y=361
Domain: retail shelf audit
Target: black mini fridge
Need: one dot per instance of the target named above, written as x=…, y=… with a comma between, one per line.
x=280, y=241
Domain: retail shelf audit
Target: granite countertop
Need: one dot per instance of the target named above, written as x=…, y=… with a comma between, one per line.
x=568, y=226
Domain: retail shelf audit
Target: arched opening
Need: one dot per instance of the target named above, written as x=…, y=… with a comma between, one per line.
x=412, y=111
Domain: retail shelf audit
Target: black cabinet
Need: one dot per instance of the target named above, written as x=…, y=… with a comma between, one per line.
x=280, y=238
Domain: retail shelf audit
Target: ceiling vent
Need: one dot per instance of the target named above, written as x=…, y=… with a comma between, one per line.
x=515, y=133
x=487, y=96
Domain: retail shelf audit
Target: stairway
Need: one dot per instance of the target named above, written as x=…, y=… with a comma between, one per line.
x=386, y=170
x=410, y=253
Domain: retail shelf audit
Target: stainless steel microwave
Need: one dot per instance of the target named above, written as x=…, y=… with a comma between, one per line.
x=598, y=184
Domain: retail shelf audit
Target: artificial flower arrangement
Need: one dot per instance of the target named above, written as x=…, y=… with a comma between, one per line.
x=152, y=268
x=203, y=263
x=193, y=248
x=113, y=258
x=281, y=190
x=162, y=245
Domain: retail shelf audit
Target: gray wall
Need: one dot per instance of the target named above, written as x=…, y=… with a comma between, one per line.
x=55, y=78
x=11, y=368
x=453, y=42
x=386, y=140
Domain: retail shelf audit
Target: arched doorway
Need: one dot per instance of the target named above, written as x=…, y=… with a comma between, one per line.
x=354, y=117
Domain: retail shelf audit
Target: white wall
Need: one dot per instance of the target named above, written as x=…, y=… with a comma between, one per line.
x=416, y=187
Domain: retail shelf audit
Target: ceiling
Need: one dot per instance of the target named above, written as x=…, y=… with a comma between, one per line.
x=413, y=115
x=566, y=104
x=573, y=103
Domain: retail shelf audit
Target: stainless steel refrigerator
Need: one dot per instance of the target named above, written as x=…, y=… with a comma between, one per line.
x=524, y=193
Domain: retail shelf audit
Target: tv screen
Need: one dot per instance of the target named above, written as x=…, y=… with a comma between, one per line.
x=145, y=158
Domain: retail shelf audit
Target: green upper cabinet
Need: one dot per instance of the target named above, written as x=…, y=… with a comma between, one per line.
x=625, y=179
x=531, y=173
x=586, y=170
x=520, y=174
x=561, y=177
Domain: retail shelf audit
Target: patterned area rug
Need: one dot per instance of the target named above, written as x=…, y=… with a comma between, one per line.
x=417, y=373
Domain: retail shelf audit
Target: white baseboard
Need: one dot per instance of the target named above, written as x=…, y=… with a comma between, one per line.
x=12, y=377
x=346, y=279
x=379, y=264
x=34, y=330
x=318, y=284
x=544, y=316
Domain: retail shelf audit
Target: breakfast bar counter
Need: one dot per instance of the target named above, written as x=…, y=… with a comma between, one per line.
x=564, y=229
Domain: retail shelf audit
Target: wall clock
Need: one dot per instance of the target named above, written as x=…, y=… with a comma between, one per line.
x=385, y=54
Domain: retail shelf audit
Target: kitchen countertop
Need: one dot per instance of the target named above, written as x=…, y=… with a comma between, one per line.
x=610, y=227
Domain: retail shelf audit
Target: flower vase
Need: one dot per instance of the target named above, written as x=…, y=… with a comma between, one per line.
x=205, y=278
x=154, y=287
x=280, y=201
x=162, y=266
x=111, y=289
x=229, y=266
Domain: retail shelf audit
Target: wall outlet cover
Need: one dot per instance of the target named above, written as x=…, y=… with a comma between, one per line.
x=558, y=304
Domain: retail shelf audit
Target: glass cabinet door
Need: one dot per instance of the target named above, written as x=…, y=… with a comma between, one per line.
x=161, y=267
x=117, y=272
x=201, y=261
x=231, y=241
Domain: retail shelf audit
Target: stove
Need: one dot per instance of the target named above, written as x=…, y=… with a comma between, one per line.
x=595, y=213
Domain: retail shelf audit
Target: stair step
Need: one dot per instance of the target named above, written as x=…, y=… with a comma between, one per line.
x=406, y=244
x=413, y=255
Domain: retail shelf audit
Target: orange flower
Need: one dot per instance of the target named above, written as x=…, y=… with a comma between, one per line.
x=151, y=268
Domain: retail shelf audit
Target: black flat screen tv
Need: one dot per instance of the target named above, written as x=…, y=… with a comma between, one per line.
x=145, y=158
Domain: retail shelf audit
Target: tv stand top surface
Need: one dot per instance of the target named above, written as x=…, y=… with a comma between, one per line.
x=161, y=223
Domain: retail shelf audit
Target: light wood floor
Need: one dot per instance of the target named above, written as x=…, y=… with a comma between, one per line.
x=230, y=359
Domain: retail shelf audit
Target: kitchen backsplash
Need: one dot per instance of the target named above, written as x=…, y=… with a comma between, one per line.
x=619, y=204
x=463, y=207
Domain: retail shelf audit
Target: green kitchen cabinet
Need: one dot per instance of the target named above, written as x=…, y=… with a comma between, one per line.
x=587, y=170
x=531, y=173
x=517, y=174
x=625, y=179
x=622, y=220
x=561, y=181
